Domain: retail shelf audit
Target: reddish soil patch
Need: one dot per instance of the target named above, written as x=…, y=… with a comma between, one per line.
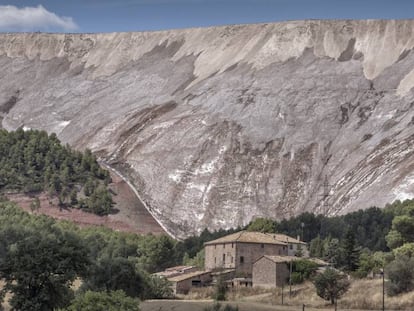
x=130, y=216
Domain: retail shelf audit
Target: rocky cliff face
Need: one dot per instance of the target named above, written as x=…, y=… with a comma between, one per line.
x=215, y=126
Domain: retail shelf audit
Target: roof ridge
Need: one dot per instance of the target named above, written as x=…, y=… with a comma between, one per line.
x=240, y=234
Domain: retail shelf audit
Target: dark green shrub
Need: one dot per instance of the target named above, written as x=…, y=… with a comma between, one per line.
x=400, y=274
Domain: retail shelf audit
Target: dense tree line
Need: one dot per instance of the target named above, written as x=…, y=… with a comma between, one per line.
x=33, y=161
x=40, y=258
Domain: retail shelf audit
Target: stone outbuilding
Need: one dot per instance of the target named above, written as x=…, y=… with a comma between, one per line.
x=240, y=250
x=271, y=271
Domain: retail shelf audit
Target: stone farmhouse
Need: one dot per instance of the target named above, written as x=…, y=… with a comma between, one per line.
x=238, y=251
x=241, y=258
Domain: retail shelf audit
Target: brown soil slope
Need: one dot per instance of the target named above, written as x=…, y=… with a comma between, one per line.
x=130, y=215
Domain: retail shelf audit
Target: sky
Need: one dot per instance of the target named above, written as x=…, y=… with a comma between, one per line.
x=142, y=15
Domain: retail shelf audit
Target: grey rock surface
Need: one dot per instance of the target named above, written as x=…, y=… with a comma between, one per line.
x=215, y=126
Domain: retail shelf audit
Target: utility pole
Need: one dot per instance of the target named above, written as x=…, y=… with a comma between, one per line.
x=302, y=226
x=383, y=288
x=325, y=196
x=325, y=201
x=290, y=279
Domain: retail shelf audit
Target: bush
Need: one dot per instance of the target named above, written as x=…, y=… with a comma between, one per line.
x=400, y=275
x=158, y=288
x=219, y=307
x=220, y=290
x=108, y=301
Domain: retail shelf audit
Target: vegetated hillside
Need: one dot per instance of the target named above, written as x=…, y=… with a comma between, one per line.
x=32, y=162
x=215, y=126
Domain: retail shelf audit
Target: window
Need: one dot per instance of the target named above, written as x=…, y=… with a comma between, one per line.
x=280, y=252
x=262, y=245
x=224, y=245
x=232, y=245
x=290, y=246
x=231, y=259
x=215, y=260
x=224, y=258
x=241, y=259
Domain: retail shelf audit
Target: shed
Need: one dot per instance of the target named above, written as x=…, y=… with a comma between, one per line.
x=181, y=284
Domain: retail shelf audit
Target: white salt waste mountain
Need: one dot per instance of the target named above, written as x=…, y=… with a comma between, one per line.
x=215, y=126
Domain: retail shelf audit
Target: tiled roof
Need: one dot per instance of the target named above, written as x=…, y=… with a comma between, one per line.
x=247, y=237
x=286, y=238
x=280, y=259
x=187, y=276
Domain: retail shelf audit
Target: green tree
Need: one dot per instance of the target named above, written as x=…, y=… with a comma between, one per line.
x=369, y=262
x=333, y=252
x=262, y=225
x=316, y=248
x=156, y=253
x=331, y=285
x=302, y=270
x=197, y=260
x=39, y=268
x=100, y=301
x=351, y=252
x=111, y=274
x=406, y=249
x=402, y=230
x=400, y=273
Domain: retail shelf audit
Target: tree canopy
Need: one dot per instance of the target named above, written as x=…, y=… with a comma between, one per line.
x=33, y=161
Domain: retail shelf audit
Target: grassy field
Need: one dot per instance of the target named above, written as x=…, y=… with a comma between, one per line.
x=185, y=305
x=362, y=296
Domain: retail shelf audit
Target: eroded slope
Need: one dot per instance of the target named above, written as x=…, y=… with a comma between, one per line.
x=215, y=126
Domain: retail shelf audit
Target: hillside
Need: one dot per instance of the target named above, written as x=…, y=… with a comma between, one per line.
x=215, y=126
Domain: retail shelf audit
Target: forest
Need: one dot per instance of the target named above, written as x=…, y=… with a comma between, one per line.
x=32, y=161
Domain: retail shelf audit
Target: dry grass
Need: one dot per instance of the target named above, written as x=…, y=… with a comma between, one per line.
x=198, y=293
x=363, y=295
x=367, y=294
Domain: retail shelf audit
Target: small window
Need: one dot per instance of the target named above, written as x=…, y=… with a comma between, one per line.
x=262, y=245
x=241, y=259
x=215, y=260
x=231, y=259
x=224, y=258
x=290, y=246
x=232, y=245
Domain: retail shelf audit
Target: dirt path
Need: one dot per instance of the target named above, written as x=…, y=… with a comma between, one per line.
x=131, y=216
